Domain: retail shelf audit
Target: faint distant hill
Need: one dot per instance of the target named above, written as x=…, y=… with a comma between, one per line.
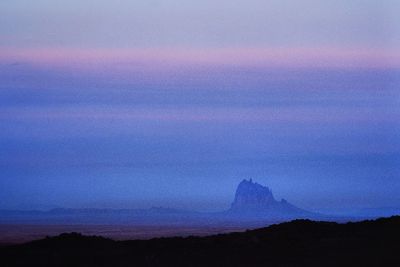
x=253, y=205
x=253, y=200
x=152, y=216
x=296, y=243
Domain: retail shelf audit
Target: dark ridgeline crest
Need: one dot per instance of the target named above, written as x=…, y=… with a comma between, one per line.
x=295, y=243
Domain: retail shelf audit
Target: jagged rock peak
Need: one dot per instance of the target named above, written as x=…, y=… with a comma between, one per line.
x=252, y=195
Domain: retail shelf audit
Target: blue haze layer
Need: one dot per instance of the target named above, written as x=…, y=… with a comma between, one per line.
x=323, y=139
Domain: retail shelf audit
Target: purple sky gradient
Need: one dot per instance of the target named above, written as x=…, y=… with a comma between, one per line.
x=171, y=103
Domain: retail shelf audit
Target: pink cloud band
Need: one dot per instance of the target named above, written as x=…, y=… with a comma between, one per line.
x=159, y=59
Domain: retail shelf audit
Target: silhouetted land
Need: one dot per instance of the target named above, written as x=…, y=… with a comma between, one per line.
x=296, y=243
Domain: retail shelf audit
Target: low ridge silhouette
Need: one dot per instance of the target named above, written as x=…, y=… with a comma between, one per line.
x=252, y=203
x=295, y=243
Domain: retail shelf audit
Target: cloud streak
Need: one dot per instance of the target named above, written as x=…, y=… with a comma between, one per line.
x=164, y=59
x=208, y=114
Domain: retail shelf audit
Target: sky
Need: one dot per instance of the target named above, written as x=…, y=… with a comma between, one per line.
x=134, y=104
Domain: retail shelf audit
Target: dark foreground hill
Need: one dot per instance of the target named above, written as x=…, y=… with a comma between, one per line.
x=296, y=243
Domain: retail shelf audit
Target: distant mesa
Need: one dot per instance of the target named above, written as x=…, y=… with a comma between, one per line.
x=253, y=203
x=254, y=199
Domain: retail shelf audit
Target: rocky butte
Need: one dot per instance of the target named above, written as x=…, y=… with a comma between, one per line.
x=252, y=203
x=255, y=200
